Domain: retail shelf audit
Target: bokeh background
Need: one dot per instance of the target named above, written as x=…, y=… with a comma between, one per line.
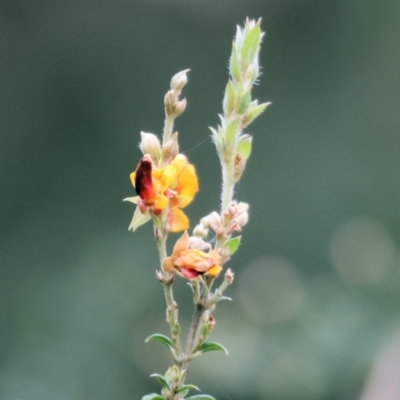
x=316, y=297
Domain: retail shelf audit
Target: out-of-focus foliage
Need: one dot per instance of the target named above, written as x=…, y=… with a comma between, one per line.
x=316, y=297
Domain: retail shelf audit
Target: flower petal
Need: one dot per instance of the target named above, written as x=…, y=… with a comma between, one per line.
x=214, y=271
x=187, y=186
x=189, y=273
x=178, y=221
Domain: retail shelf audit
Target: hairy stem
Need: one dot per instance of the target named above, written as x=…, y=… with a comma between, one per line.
x=227, y=186
x=168, y=127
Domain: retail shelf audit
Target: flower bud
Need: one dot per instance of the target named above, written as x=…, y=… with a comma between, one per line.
x=176, y=330
x=159, y=276
x=200, y=231
x=197, y=243
x=215, y=221
x=205, y=222
x=242, y=215
x=150, y=145
x=179, y=80
x=211, y=322
x=204, y=331
x=229, y=276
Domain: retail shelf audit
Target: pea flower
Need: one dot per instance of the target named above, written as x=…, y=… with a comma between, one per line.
x=171, y=188
x=191, y=263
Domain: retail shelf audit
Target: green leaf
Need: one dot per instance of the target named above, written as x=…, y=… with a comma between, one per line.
x=153, y=396
x=234, y=68
x=231, y=133
x=244, y=147
x=187, y=388
x=211, y=346
x=158, y=337
x=164, y=384
x=229, y=98
x=253, y=112
x=232, y=244
x=138, y=219
x=200, y=397
x=251, y=44
x=244, y=101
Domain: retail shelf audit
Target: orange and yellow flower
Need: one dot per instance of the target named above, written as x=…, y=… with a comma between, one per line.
x=171, y=187
x=191, y=263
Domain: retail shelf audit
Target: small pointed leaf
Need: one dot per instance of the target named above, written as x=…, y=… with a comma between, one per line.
x=224, y=298
x=231, y=133
x=253, y=112
x=244, y=102
x=232, y=244
x=138, y=219
x=229, y=98
x=153, y=396
x=200, y=397
x=164, y=384
x=251, y=44
x=187, y=387
x=211, y=346
x=234, y=68
x=158, y=337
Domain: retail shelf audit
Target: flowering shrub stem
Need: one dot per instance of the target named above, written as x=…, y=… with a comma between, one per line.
x=166, y=182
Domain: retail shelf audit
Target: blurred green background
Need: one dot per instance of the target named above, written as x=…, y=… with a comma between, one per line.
x=316, y=296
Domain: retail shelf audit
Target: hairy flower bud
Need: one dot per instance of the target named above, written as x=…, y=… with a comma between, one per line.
x=200, y=231
x=215, y=221
x=242, y=215
x=150, y=145
x=179, y=80
x=197, y=243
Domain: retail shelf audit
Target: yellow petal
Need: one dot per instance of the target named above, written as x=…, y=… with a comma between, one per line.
x=187, y=186
x=179, y=162
x=132, y=176
x=214, y=271
x=168, y=178
x=178, y=221
x=161, y=202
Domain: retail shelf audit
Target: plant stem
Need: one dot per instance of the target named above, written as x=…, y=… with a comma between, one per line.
x=168, y=126
x=194, y=328
x=172, y=307
x=227, y=186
